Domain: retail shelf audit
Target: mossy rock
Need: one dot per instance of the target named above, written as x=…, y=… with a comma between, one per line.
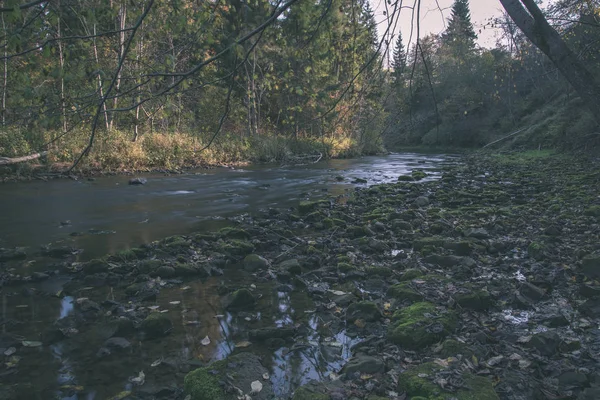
x=410, y=274
x=204, y=384
x=345, y=259
x=451, y=348
x=234, y=233
x=175, y=242
x=236, y=247
x=478, y=300
x=254, y=262
x=536, y=250
x=345, y=267
x=405, y=178
x=593, y=211
x=418, y=175
x=400, y=225
x=311, y=391
x=333, y=222
x=185, y=270
x=420, y=325
x=147, y=266
x=305, y=207
x=420, y=244
x=95, y=266
x=365, y=310
x=126, y=255
x=462, y=248
x=403, y=292
x=358, y=231
x=156, y=325
x=418, y=382
x=378, y=271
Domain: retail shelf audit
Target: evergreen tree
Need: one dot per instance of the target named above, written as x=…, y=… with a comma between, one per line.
x=399, y=60
x=460, y=34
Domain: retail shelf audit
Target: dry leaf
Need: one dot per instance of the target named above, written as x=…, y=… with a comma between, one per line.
x=205, y=341
x=256, y=387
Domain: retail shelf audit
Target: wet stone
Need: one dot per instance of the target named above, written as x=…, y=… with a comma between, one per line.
x=365, y=310
x=479, y=300
x=254, y=262
x=241, y=299
x=531, y=291
x=421, y=201
x=292, y=266
x=271, y=333
x=590, y=266
x=546, y=343
x=477, y=233
x=364, y=364
x=589, y=291
x=571, y=380
x=156, y=325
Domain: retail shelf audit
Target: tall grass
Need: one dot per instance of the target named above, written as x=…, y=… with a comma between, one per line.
x=115, y=151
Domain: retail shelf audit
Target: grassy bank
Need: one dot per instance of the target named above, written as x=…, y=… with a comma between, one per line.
x=116, y=152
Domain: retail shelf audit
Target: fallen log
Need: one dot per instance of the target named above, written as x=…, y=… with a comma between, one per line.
x=16, y=160
x=505, y=137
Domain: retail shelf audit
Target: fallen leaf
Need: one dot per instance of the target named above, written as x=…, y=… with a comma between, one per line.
x=138, y=380
x=174, y=303
x=366, y=377
x=494, y=361
x=360, y=323
x=12, y=362
x=205, y=341
x=337, y=292
x=157, y=363
x=153, y=307
x=266, y=376
x=243, y=344
x=10, y=351
x=31, y=343
x=256, y=387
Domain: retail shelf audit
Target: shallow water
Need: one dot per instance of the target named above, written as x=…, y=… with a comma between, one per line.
x=110, y=216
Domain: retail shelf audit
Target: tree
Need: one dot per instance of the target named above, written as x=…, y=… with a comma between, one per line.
x=530, y=19
x=460, y=34
x=399, y=60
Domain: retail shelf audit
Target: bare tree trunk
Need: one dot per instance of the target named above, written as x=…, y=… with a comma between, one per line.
x=5, y=76
x=61, y=56
x=121, y=27
x=535, y=26
x=100, y=88
x=138, y=97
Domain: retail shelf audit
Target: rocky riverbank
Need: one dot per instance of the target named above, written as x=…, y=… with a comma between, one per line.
x=480, y=285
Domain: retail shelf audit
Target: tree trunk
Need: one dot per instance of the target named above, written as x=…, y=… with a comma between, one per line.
x=5, y=76
x=535, y=26
x=61, y=55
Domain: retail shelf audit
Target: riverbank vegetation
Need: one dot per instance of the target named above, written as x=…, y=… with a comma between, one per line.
x=126, y=86
x=447, y=91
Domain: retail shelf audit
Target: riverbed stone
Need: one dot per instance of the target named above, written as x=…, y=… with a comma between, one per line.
x=420, y=325
x=156, y=325
x=254, y=262
x=421, y=201
x=138, y=181
x=403, y=292
x=477, y=300
x=271, y=332
x=364, y=364
x=234, y=233
x=241, y=299
x=220, y=378
x=477, y=233
x=12, y=254
x=546, y=343
x=292, y=266
x=590, y=266
x=364, y=310
x=418, y=382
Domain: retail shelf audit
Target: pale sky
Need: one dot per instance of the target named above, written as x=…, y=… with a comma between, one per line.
x=433, y=21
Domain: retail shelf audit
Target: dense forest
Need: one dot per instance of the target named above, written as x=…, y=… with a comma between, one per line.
x=129, y=85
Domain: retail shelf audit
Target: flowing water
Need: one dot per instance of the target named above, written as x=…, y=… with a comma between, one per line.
x=107, y=215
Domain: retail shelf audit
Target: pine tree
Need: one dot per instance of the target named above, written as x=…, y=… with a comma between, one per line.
x=460, y=33
x=399, y=60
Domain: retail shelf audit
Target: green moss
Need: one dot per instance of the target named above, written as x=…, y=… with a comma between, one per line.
x=379, y=271
x=418, y=382
x=95, y=266
x=410, y=274
x=418, y=175
x=344, y=259
x=403, y=291
x=174, y=242
x=420, y=325
x=420, y=244
x=147, y=266
x=305, y=207
x=234, y=233
x=478, y=300
x=451, y=348
x=126, y=255
x=345, y=267
x=536, y=250
x=593, y=211
x=357, y=231
x=203, y=383
x=236, y=247
x=333, y=222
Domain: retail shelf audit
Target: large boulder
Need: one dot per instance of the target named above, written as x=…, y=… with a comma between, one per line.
x=156, y=325
x=420, y=325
